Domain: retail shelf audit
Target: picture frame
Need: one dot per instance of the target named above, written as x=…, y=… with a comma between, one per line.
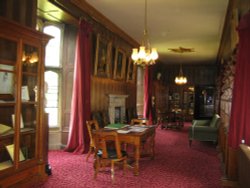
x=102, y=57
x=112, y=64
x=120, y=63
x=131, y=70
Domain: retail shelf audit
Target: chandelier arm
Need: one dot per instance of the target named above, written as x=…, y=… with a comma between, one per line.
x=145, y=18
x=181, y=73
x=145, y=38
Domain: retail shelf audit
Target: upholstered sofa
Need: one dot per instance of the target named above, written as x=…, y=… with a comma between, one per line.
x=204, y=130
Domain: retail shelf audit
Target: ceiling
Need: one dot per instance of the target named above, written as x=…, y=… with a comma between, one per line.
x=171, y=24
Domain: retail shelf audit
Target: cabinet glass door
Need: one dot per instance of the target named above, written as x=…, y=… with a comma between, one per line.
x=29, y=112
x=8, y=60
x=204, y=102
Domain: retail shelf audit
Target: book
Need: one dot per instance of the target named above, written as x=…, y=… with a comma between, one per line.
x=25, y=93
x=4, y=128
x=10, y=149
x=21, y=121
x=116, y=126
x=5, y=164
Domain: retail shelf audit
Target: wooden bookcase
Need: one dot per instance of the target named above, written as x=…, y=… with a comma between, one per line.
x=182, y=98
x=169, y=98
x=22, y=126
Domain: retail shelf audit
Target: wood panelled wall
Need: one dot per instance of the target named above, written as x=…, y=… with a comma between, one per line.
x=23, y=12
x=204, y=74
x=100, y=86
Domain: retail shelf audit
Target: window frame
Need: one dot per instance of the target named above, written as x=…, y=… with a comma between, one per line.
x=56, y=69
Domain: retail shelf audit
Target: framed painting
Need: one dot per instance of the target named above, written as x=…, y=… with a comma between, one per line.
x=120, y=64
x=102, y=57
x=131, y=70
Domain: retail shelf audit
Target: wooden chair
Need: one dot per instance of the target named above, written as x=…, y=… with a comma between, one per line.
x=91, y=125
x=105, y=155
x=139, y=122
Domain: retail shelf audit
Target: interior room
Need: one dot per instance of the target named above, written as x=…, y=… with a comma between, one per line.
x=124, y=93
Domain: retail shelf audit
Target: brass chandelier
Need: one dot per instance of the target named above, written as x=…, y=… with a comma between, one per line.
x=180, y=79
x=145, y=55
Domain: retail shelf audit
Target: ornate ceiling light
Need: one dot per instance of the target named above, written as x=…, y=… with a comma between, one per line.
x=181, y=79
x=145, y=55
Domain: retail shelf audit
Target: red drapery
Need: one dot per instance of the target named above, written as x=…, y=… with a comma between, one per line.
x=148, y=84
x=240, y=114
x=78, y=140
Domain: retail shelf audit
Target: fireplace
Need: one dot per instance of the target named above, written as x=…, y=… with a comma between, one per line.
x=117, y=108
x=118, y=117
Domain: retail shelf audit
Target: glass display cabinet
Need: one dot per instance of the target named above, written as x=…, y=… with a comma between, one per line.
x=204, y=102
x=22, y=140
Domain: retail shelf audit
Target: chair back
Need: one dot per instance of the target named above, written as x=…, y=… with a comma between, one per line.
x=102, y=141
x=215, y=121
x=139, y=122
x=92, y=125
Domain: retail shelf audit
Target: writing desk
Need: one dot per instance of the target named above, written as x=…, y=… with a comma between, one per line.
x=136, y=138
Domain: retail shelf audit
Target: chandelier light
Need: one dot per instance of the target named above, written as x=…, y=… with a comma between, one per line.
x=181, y=79
x=144, y=56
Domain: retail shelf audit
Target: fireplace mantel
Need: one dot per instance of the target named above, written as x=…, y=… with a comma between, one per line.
x=114, y=102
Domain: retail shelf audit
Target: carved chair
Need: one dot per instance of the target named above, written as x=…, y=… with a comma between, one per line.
x=139, y=122
x=91, y=125
x=106, y=155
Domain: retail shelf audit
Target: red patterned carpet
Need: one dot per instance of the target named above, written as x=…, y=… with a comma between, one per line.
x=176, y=165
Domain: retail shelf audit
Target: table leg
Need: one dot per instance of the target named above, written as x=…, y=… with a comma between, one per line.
x=137, y=158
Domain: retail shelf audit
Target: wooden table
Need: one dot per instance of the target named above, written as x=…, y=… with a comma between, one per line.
x=173, y=120
x=136, y=138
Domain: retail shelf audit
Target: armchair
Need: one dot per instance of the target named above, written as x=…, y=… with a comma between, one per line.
x=204, y=130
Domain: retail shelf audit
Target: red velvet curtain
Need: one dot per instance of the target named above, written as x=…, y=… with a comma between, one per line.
x=78, y=140
x=240, y=114
x=148, y=84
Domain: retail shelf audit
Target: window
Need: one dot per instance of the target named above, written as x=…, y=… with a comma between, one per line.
x=53, y=74
x=51, y=96
x=52, y=58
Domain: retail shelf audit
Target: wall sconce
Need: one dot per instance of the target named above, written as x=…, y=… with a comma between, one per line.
x=30, y=58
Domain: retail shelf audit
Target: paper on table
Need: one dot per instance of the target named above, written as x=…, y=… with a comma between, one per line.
x=123, y=131
x=138, y=129
x=146, y=126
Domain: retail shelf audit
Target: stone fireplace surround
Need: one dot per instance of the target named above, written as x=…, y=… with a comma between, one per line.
x=117, y=101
